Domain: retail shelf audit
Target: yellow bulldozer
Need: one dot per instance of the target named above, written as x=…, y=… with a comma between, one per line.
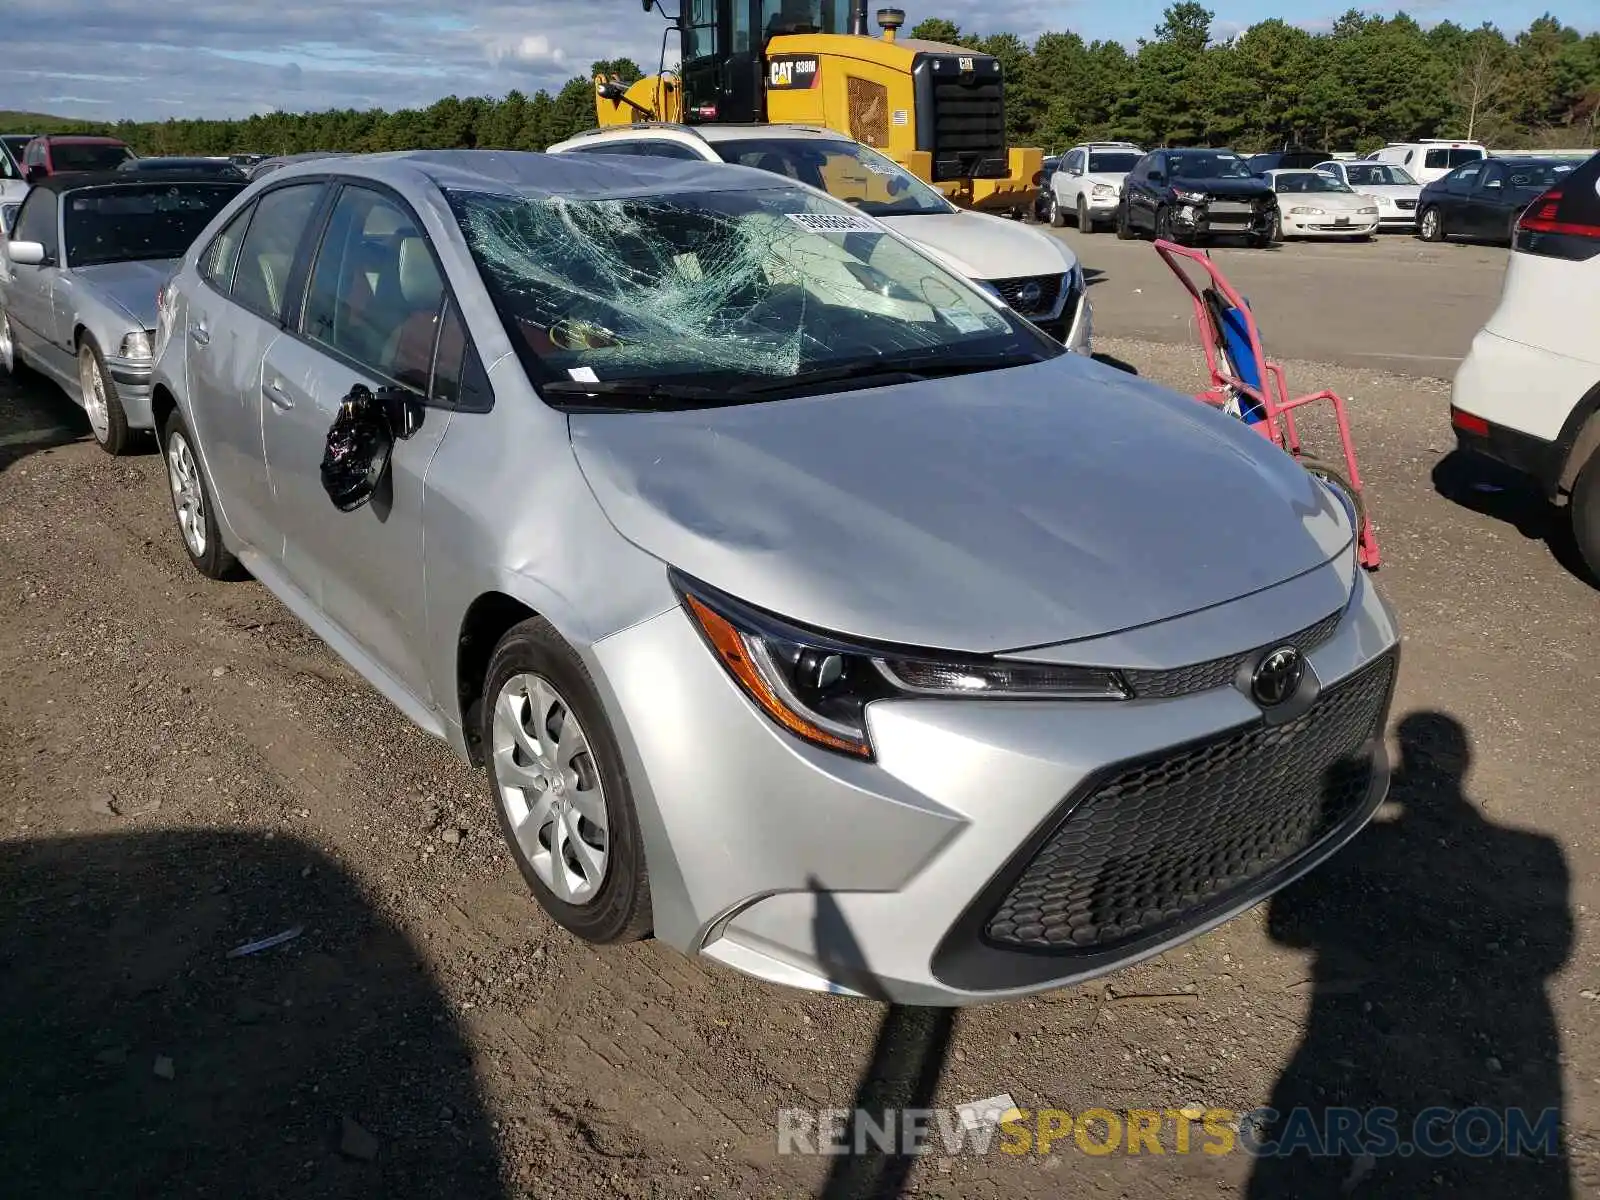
x=937, y=110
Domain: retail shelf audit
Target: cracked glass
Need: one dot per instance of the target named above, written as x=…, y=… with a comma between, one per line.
x=716, y=286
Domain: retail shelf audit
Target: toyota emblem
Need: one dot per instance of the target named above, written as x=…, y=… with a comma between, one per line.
x=1277, y=676
x=1029, y=295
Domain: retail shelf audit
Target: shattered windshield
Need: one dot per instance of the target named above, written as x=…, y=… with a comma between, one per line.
x=847, y=171
x=720, y=288
x=128, y=222
x=1208, y=164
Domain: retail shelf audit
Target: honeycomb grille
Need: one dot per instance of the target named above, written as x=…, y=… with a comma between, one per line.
x=869, y=112
x=1219, y=672
x=1021, y=297
x=1147, y=849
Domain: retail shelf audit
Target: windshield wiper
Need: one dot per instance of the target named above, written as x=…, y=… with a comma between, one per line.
x=905, y=366
x=687, y=395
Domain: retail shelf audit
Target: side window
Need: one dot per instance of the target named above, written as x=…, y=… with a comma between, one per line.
x=216, y=265
x=1465, y=177
x=671, y=150
x=269, y=247
x=459, y=380
x=37, y=222
x=1410, y=154
x=1075, y=162
x=376, y=292
x=1494, y=176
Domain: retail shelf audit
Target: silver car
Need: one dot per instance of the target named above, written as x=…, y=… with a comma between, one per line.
x=807, y=607
x=79, y=275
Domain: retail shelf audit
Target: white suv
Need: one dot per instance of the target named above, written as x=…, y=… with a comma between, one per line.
x=1038, y=276
x=1088, y=183
x=1528, y=392
x=1429, y=159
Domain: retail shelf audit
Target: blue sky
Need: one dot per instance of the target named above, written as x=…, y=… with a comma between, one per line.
x=227, y=58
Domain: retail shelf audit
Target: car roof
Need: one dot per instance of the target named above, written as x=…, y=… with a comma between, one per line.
x=525, y=173
x=79, y=139
x=72, y=181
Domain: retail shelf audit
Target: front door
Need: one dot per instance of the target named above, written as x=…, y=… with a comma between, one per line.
x=372, y=318
x=231, y=323
x=28, y=298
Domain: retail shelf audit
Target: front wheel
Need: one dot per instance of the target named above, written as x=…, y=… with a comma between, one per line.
x=1085, y=221
x=1430, y=226
x=1164, y=224
x=1321, y=470
x=8, y=346
x=108, y=420
x=192, y=504
x=560, y=788
x=1057, y=217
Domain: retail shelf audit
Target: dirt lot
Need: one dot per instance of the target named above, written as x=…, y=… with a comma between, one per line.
x=187, y=770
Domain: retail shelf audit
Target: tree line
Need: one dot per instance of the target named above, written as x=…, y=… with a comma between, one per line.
x=1366, y=80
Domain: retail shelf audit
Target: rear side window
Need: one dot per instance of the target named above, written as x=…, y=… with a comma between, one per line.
x=216, y=265
x=1435, y=159
x=268, y=250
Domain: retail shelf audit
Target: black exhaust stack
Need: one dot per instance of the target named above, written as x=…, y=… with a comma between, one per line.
x=858, y=18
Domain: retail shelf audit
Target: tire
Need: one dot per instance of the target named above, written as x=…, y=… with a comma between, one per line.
x=192, y=505
x=8, y=348
x=1124, y=228
x=1085, y=221
x=1057, y=217
x=108, y=420
x=1322, y=470
x=1430, y=225
x=1163, y=225
x=602, y=904
x=1585, y=505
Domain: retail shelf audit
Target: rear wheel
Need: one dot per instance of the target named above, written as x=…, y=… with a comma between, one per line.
x=1430, y=226
x=192, y=504
x=1585, y=505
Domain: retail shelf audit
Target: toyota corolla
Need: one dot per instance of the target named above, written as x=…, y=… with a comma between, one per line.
x=806, y=606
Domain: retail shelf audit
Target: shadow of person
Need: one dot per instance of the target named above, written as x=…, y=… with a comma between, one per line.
x=903, y=1074
x=141, y=1060
x=1434, y=933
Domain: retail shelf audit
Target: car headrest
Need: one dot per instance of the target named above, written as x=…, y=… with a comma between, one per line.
x=419, y=277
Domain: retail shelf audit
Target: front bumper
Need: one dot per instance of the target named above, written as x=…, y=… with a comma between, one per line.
x=131, y=378
x=1326, y=227
x=886, y=879
x=1201, y=220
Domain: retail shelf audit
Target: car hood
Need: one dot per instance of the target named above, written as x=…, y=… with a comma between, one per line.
x=988, y=512
x=980, y=246
x=1327, y=201
x=131, y=286
x=1222, y=187
x=1394, y=191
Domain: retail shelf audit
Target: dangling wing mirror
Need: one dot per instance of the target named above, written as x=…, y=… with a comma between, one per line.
x=359, y=446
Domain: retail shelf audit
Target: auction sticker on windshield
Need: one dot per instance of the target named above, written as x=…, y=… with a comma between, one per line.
x=835, y=222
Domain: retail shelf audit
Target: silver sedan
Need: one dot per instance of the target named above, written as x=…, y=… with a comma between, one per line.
x=805, y=605
x=79, y=275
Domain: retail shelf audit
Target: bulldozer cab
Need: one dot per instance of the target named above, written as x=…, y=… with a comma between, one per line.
x=724, y=66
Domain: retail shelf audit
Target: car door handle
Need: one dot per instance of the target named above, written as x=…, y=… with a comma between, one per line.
x=200, y=334
x=276, y=392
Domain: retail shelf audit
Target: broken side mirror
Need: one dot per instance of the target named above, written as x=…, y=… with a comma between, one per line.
x=361, y=442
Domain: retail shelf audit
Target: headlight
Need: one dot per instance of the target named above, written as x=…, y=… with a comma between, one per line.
x=1184, y=197
x=818, y=687
x=1307, y=212
x=137, y=345
x=1367, y=212
x=1104, y=189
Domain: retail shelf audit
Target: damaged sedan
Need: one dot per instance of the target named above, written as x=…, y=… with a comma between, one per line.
x=806, y=607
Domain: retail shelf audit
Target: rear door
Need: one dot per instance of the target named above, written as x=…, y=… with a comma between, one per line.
x=1459, y=187
x=233, y=318
x=376, y=314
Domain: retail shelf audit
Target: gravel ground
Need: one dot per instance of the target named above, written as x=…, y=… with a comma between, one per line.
x=188, y=770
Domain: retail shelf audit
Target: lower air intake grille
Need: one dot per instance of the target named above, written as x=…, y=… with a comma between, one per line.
x=1155, y=842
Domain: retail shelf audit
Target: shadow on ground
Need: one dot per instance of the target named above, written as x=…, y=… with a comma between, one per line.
x=35, y=415
x=142, y=1061
x=1484, y=486
x=1434, y=935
